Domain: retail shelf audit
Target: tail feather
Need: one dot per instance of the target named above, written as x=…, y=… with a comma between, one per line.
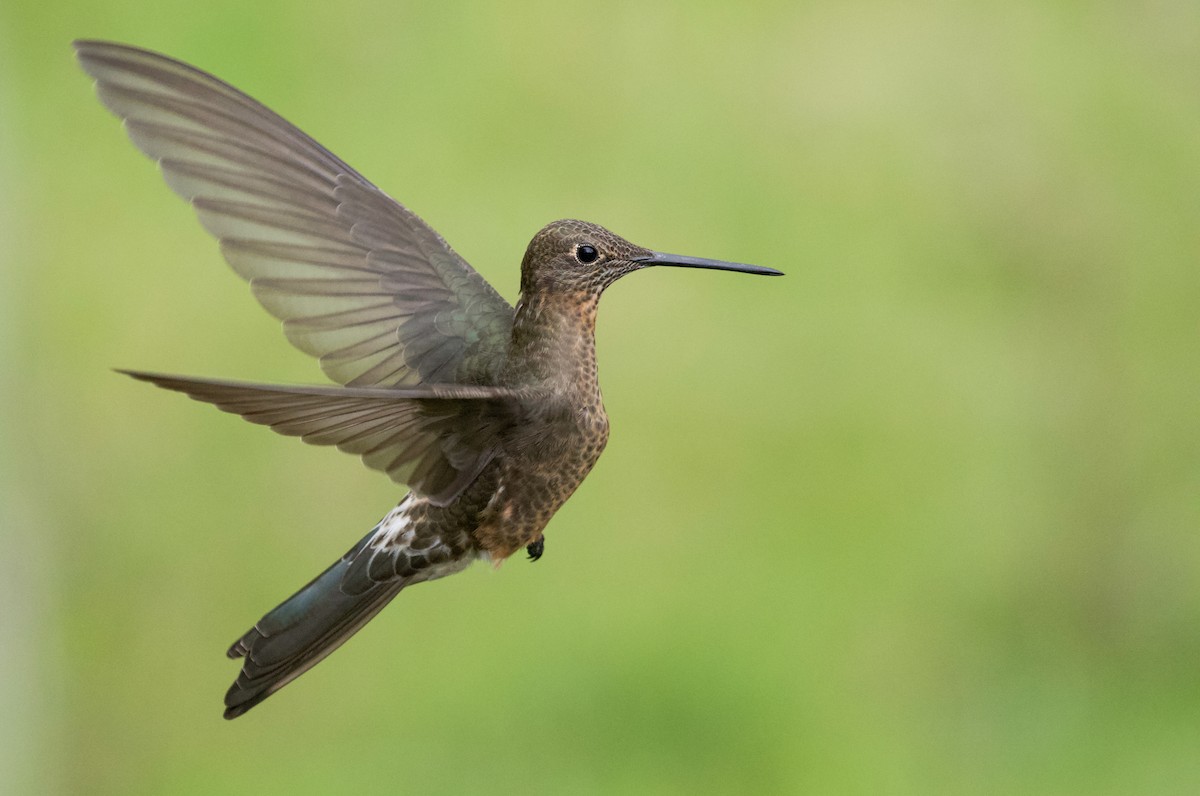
x=301, y=631
x=316, y=620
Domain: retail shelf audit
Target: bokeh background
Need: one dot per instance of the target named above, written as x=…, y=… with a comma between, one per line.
x=921, y=517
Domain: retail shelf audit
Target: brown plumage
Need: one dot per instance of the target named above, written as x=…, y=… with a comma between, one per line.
x=491, y=415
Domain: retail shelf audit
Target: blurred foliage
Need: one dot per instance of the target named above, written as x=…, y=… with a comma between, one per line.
x=919, y=518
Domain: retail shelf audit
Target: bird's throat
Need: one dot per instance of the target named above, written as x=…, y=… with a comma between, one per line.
x=553, y=337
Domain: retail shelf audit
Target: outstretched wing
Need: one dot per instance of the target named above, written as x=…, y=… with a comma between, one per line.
x=434, y=439
x=358, y=280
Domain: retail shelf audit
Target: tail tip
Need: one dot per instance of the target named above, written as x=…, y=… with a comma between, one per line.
x=239, y=699
x=241, y=647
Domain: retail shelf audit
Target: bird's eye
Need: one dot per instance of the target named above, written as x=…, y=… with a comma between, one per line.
x=586, y=254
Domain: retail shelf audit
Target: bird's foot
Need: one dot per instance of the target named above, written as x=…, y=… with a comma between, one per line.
x=535, y=548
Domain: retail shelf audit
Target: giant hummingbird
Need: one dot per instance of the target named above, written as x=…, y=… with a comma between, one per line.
x=491, y=415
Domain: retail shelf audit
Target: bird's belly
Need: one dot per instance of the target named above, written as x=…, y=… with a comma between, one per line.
x=535, y=484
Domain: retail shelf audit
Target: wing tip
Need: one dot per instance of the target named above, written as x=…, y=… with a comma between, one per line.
x=87, y=51
x=141, y=375
x=80, y=45
x=85, y=46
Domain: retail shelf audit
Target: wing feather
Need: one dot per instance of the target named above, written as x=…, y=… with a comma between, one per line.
x=435, y=439
x=358, y=280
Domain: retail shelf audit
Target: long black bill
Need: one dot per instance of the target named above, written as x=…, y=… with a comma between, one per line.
x=661, y=258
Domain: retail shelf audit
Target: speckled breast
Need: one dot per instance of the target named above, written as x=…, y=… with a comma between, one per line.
x=535, y=482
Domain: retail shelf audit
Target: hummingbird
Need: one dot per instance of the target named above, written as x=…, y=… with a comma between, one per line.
x=490, y=414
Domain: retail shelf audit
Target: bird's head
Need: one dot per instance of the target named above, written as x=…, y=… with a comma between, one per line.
x=578, y=256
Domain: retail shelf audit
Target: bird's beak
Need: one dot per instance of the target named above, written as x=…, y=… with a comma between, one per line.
x=661, y=258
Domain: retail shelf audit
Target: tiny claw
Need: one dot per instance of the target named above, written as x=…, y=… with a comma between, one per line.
x=535, y=549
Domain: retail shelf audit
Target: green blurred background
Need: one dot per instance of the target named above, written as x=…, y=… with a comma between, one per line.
x=919, y=518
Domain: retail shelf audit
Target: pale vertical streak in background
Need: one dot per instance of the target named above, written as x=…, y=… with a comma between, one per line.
x=27, y=662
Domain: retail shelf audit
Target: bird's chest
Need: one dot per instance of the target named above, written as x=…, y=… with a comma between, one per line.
x=535, y=481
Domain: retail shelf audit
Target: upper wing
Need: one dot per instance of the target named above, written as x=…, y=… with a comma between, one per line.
x=357, y=278
x=434, y=439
